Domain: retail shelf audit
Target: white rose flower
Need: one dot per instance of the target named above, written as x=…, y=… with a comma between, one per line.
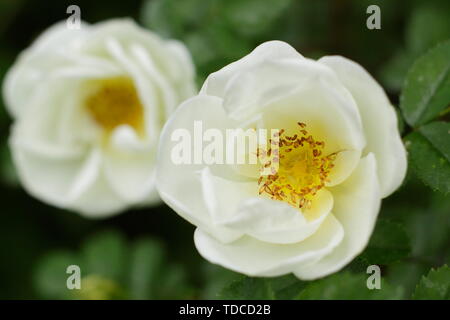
x=88, y=106
x=340, y=153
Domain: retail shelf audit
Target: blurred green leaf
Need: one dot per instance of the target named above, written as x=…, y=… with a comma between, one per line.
x=105, y=254
x=285, y=287
x=405, y=274
x=215, y=278
x=7, y=170
x=394, y=71
x=426, y=92
x=348, y=286
x=253, y=17
x=429, y=229
x=173, y=284
x=217, y=32
x=107, y=272
x=50, y=277
x=435, y=286
x=400, y=121
x=429, y=153
x=429, y=24
x=201, y=48
x=389, y=243
x=174, y=18
x=227, y=44
x=155, y=15
x=248, y=289
x=147, y=259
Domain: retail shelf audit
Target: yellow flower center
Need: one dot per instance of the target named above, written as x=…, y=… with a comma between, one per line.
x=302, y=168
x=115, y=102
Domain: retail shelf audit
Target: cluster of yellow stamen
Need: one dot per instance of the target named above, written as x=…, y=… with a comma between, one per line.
x=302, y=167
x=115, y=102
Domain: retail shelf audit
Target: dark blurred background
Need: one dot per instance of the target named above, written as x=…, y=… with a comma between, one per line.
x=149, y=253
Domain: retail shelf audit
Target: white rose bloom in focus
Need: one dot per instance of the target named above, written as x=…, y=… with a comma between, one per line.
x=340, y=153
x=88, y=106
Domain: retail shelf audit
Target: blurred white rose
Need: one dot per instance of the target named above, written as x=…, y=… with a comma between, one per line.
x=88, y=106
x=342, y=153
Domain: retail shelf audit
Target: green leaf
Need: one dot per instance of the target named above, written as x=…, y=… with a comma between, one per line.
x=426, y=92
x=405, y=274
x=50, y=277
x=173, y=284
x=248, y=289
x=8, y=171
x=174, y=18
x=104, y=254
x=429, y=153
x=253, y=17
x=215, y=279
x=435, y=286
x=348, y=286
x=156, y=15
x=389, y=243
x=286, y=287
x=429, y=242
x=147, y=259
x=428, y=25
x=394, y=71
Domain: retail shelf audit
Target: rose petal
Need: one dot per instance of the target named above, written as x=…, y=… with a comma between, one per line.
x=180, y=185
x=257, y=258
x=356, y=205
x=216, y=82
x=379, y=121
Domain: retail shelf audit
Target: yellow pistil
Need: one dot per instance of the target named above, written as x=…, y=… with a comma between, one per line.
x=115, y=102
x=302, y=168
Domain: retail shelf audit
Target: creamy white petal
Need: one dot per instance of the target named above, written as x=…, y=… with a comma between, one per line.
x=130, y=168
x=344, y=164
x=98, y=201
x=331, y=116
x=257, y=258
x=356, y=205
x=35, y=63
x=45, y=124
x=86, y=175
x=379, y=121
x=71, y=183
x=169, y=95
x=236, y=205
x=58, y=174
x=278, y=222
x=185, y=65
x=252, y=89
x=59, y=38
x=222, y=196
x=125, y=139
x=127, y=33
x=180, y=184
x=145, y=88
x=20, y=81
x=216, y=82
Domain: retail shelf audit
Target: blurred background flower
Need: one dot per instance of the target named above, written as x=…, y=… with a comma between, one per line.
x=410, y=237
x=88, y=106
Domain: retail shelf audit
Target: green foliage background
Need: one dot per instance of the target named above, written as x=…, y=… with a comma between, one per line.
x=149, y=253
